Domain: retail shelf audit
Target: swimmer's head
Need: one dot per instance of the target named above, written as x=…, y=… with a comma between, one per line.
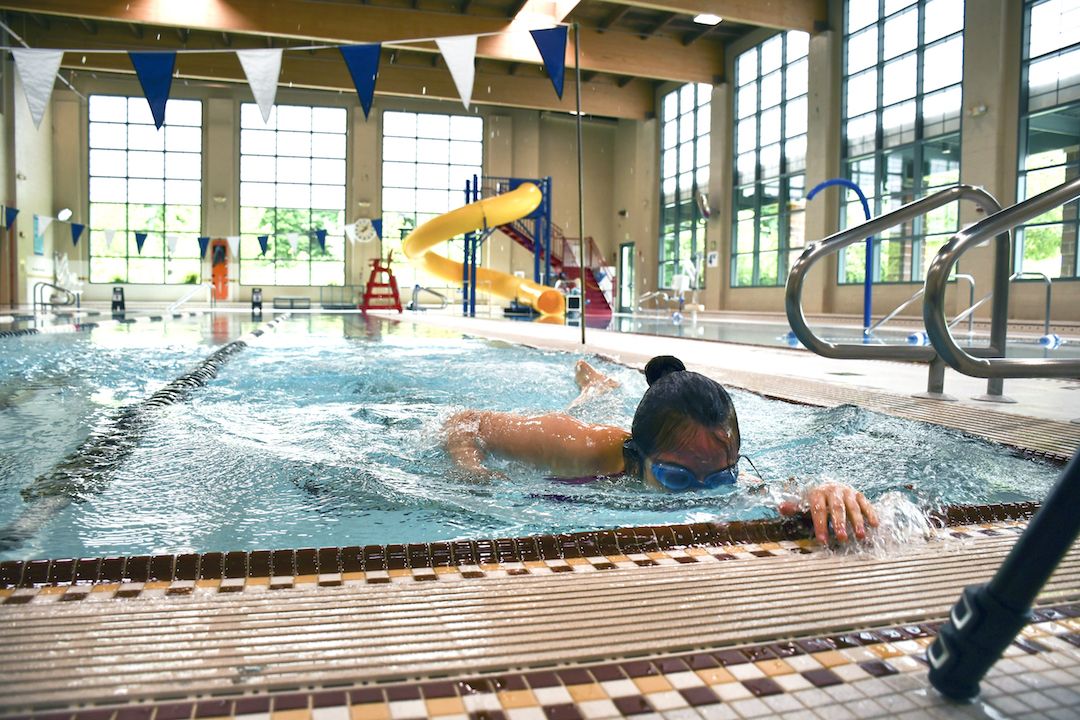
x=684, y=419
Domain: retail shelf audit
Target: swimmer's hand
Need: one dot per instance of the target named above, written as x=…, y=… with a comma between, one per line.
x=838, y=504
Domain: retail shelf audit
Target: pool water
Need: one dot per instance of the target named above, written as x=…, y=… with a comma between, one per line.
x=328, y=431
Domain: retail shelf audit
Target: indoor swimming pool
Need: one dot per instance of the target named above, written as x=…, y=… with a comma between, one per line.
x=327, y=431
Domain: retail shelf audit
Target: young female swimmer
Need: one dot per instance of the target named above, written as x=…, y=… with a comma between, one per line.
x=685, y=436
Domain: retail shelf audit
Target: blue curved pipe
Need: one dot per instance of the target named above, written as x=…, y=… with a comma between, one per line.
x=868, y=282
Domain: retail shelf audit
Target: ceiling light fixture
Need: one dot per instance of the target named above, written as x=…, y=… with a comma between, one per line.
x=708, y=19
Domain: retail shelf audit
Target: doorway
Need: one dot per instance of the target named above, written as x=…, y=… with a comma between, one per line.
x=626, y=277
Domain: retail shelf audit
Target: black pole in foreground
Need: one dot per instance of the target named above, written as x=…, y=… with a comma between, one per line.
x=987, y=617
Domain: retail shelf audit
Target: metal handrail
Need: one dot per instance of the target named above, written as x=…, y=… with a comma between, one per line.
x=919, y=293
x=190, y=294
x=970, y=312
x=39, y=296
x=1049, y=292
x=417, y=289
x=651, y=295
x=998, y=224
x=815, y=252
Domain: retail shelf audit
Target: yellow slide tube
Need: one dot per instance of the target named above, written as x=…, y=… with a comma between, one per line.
x=489, y=212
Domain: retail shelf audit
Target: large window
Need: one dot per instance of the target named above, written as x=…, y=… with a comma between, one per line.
x=903, y=66
x=144, y=180
x=770, y=159
x=1050, y=134
x=684, y=182
x=292, y=185
x=426, y=160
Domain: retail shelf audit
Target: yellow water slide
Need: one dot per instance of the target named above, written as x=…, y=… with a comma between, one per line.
x=487, y=213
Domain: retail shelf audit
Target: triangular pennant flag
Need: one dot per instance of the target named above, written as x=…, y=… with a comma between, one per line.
x=351, y=231
x=110, y=235
x=363, y=64
x=204, y=242
x=262, y=68
x=234, y=245
x=459, y=52
x=320, y=235
x=264, y=241
x=140, y=238
x=155, y=71
x=76, y=233
x=37, y=70
x=552, y=46
x=171, y=241
x=377, y=224
x=294, y=242
x=9, y=215
x=42, y=223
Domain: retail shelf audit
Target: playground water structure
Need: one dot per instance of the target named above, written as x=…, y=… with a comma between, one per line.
x=327, y=431
x=483, y=215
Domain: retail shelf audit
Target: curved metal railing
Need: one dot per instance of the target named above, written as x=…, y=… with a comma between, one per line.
x=71, y=297
x=192, y=293
x=815, y=252
x=999, y=224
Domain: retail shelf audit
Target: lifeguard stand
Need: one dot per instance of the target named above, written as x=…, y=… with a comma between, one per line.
x=381, y=286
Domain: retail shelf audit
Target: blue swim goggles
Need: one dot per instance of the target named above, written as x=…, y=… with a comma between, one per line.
x=679, y=479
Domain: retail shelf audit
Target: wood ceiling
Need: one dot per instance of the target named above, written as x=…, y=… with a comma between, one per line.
x=627, y=46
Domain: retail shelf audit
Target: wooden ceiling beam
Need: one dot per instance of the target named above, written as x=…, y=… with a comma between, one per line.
x=613, y=18
x=779, y=14
x=411, y=76
x=658, y=58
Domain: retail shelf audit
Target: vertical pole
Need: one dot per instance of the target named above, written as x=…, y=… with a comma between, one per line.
x=580, y=176
x=999, y=309
x=465, y=258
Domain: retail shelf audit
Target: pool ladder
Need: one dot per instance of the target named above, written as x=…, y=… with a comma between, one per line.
x=989, y=362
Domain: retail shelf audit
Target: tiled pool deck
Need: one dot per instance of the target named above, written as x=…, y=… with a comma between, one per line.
x=738, y=620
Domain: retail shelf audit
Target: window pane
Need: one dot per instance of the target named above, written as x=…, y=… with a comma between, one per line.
x=746, y=66
x=860, y=14
x=898, y=80
x=943, y=64
x=861, y=93
x=901, y=33
x=862, y=50
x=943, y=17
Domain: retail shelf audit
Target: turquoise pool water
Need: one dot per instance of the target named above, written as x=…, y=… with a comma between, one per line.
x=328, y=431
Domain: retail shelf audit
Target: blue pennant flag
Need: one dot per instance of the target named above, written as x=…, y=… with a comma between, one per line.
x=377, y=224
x=155, y=71
x=320, y=235
x=76, y=233
x=363, y=64
x=140, y=238
x=204, y=242
x=552, y=46
x=9, y=216
x=264, y=242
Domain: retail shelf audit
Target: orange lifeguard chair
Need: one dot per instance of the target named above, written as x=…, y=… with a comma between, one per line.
x=378, y=289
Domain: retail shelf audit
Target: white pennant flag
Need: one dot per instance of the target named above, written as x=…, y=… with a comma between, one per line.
x=37, y=69
x=110, y=235
x=171, y=240
x=262, y=68
x=350, y=232
x=234, y=245
x=43, y=223
x=460, y=55
x=294, y=241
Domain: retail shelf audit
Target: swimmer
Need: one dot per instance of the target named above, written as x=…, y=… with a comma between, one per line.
x=684, y=436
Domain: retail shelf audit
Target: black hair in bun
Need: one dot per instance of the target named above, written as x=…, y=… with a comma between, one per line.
x=662, y=365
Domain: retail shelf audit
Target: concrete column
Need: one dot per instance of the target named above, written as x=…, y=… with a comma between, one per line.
x=364, y=194
x=823, y=153
x=989, y=127
x=721, y=191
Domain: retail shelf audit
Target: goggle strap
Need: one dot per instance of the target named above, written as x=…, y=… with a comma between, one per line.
x=756, y=471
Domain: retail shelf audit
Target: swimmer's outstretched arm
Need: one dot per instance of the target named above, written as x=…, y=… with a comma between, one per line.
x=556, y=442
